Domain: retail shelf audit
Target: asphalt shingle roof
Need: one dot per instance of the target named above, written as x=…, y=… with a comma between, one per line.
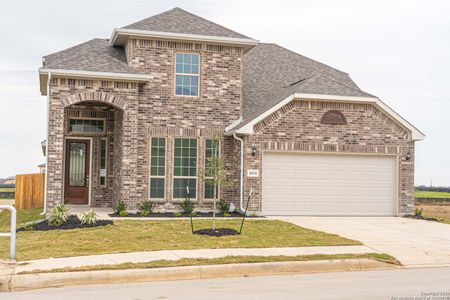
x=272, y=73
x=96, y=55
x=178, y=20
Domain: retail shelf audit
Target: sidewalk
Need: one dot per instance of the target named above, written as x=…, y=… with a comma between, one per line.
x=138, y=257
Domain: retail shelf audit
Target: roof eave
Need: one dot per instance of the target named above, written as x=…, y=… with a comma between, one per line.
x=43, y=76
x=119, y=36
x=248, y=129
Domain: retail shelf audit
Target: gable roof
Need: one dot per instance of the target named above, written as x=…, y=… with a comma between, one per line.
x=274, y=76
x=178, y=20
x=271, y=71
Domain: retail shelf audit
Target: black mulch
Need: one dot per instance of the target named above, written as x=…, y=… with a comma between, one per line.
x=217, y=232
x=172, y=215
x=73, y=222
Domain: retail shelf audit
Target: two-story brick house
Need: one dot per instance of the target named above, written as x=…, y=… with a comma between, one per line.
x=134, y=118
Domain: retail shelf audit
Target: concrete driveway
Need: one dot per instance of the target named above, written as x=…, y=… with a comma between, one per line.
x=413, y=242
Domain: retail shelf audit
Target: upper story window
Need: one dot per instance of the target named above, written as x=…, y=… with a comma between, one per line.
x=86, y=125
x=187, y=73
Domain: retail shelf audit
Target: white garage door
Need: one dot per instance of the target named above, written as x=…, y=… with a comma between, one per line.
x=324, y=184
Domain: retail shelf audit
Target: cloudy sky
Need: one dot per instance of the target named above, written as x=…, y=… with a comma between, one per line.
x=398, y=50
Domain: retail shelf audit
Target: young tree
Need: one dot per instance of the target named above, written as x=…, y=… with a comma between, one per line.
x=214, y=174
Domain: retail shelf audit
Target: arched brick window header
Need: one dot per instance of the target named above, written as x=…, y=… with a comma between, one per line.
x=334, y=117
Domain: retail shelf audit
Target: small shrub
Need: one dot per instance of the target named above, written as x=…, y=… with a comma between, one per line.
x=120, y=207
x=58, y=215
x=123, y=213
x=418, y=212
x=177, y=214
x=146, y=208
x=187, y=206
x=226, y=214
x=224, y=207
x=89, y=218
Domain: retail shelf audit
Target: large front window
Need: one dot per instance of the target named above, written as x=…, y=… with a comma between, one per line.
x=157, y=167
x=185, y=168
x=187, y=70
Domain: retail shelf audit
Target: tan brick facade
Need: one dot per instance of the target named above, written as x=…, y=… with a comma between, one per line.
x=135, y=112
x=297, y=127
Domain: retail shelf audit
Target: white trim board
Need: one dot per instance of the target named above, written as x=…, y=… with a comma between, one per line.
x=43, y=72
x=247, y=129
x=120, y=35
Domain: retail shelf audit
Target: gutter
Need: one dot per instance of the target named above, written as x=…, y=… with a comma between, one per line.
x=46, y=143
x=241, y=190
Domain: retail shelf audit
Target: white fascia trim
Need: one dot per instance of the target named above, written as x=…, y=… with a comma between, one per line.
x=180, y=36
x=416, y=134
x=93, y=74
x=234, y=124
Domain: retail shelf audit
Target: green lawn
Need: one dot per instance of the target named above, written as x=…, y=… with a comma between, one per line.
x=224, y=260
x=7, y=190
x=131, y=236
x=425, y=194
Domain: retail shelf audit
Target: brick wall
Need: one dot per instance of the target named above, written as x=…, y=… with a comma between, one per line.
x=298, y=127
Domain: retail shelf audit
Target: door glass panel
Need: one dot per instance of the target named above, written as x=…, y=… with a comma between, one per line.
x=77, y=164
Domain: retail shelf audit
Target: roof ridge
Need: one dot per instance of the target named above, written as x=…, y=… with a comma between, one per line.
x=176, y=8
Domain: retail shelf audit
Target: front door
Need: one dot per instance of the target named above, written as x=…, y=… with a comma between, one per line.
x=76, y=190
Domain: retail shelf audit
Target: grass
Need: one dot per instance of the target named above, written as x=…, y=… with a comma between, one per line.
x=23, y=216
x=132, y=236
x=437, y=210
x=224, y=260
x=425, y=194
x=6, y=190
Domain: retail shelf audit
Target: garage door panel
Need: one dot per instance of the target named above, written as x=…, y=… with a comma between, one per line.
x=311, y=184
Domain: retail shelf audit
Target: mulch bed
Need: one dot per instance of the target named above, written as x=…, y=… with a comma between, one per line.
x=172, y=215
x=218, y=232
x=72, y=223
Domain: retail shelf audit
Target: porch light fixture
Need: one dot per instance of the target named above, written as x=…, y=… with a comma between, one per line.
x=408, y=156
x=253, y=150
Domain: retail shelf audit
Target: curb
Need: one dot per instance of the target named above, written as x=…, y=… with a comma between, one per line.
x=47, y=280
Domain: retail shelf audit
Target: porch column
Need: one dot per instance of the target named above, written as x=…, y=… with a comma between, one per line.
x=55, y=151
x=129, y=172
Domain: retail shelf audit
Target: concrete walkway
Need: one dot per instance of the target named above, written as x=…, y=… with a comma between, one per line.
x=415, y=243
x=137, y=257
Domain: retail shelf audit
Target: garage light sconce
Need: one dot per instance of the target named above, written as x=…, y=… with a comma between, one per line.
x=408, y=156
x=253, y=150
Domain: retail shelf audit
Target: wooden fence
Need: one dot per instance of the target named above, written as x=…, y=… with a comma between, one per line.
x=30, y=190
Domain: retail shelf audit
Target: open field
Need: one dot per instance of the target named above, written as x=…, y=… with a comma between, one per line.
x=437, y=210
x=425, y=194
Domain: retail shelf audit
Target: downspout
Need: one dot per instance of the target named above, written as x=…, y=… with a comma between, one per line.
x=46, y=143
x=241, y=193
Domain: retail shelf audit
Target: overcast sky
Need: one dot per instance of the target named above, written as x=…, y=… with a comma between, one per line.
x=398, y=50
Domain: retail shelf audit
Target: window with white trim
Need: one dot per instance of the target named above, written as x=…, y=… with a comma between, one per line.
x=157, y=168
x=102, y=169
x=187, y=73
x=86, y=125
x=211, y=150
x=185, y=168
